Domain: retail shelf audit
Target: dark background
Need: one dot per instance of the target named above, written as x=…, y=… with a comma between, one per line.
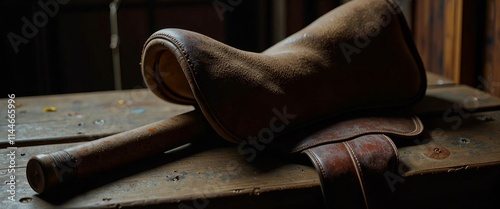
x=71, y=53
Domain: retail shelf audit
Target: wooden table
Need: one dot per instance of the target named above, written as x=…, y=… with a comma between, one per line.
x=459, y=119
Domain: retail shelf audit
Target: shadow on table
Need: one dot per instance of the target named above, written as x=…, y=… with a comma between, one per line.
x=66, y=192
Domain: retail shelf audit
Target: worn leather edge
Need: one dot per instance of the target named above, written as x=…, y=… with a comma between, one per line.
x=410, y=43
x=367, y=181
x=154, y=47
x=350, y=183
x=212, y=116
x=166, y=42
x=417, y=130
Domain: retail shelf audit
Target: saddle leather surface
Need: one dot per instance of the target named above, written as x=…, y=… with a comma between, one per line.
x=355, y=60
x=354, y=174
x=358, y=56
x=355, y=156
x=396, y=124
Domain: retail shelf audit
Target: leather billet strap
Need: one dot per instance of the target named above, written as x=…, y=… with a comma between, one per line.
x=352, y=172
x=353, y=154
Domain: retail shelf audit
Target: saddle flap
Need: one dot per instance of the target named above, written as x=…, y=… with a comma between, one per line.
x=343, y=62
x=343, y=129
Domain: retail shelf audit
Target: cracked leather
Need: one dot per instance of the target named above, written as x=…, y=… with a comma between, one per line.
x=358, y=58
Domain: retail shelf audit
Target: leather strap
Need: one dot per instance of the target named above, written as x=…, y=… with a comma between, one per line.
x=353, y=155
x=352, y=172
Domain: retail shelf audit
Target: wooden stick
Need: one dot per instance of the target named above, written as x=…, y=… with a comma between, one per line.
x=46, y=171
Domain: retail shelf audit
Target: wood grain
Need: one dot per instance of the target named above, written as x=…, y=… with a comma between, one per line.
x=428, y=30
x=454, y=142
x=453, y=12
x=491, y=70
x=84, y=116
x=200, y=172
x=458, y=154
x=455, y=99
x=217, y=175
x=449, y=34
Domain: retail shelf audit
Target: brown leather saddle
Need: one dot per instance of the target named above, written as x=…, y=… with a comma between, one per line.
x=336, y=91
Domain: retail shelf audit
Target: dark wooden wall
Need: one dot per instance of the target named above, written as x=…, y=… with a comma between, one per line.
x=491, y=67
x=460, y=39
x=70, y=52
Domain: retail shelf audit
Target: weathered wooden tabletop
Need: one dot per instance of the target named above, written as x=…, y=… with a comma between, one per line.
x=461, y=122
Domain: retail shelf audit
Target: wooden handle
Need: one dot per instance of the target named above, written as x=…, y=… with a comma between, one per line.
x=46, y=171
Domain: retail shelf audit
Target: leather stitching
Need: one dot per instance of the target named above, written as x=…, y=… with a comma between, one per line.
x=192, y=71
x=416, y=122
x=317, y=162
x=323, y=177
x=394, y=147
x=208, y=109
x=358, y=169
